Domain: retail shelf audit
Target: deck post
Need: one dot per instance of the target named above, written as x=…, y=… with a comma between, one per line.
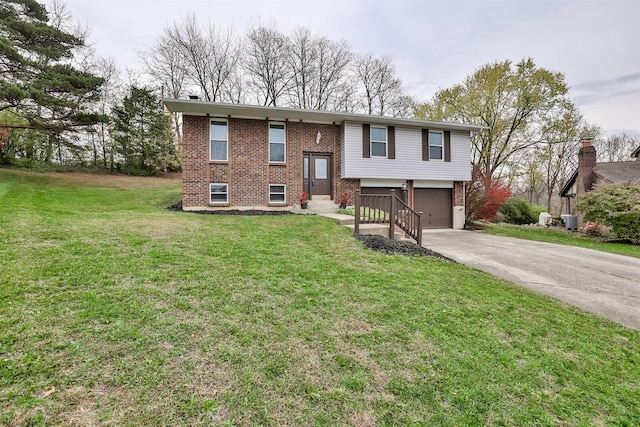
x=420, y=228
x=356, y=225
x=392, y=215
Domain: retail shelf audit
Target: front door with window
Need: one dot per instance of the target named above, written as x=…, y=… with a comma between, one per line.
x=317, y=176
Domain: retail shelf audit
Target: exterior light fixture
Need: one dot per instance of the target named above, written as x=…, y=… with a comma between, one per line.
x=318, y=136
x=405, y=186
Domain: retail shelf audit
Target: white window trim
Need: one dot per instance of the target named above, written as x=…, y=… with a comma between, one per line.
x=217, y=202
x=221, y=120
x=386, y=141
x=278, y=142
x=284, y=192
x=436, y=145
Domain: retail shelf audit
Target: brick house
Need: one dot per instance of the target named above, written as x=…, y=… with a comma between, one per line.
x=250, y=157
x=590, y=173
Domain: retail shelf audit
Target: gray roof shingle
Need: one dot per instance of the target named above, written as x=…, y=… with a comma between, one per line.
x=618, y=171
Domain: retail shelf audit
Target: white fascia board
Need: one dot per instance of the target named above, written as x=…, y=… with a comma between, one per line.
x=217, y=109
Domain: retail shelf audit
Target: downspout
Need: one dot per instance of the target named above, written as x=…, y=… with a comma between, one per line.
x=335, y=163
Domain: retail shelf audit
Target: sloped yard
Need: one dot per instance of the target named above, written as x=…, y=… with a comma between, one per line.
x=115, y=311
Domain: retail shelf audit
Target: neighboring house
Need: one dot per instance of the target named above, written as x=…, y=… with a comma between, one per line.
x=242, y=157
x=590, y=173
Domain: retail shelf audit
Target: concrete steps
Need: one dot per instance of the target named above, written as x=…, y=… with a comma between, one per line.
x=318, y=207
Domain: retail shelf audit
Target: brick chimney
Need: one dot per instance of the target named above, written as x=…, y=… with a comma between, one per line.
x=586, y=163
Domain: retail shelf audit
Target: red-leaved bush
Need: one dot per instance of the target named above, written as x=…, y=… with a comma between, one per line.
x=484, y=196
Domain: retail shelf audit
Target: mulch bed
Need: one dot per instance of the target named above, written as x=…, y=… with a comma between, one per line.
x=251, y=212
x=391, y=247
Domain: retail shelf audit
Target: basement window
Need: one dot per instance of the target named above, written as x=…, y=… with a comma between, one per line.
x=277, y=193
x=218, y=193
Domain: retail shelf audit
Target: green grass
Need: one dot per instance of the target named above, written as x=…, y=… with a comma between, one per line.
x=366, y=212
x=562, y=237
x=114, y=311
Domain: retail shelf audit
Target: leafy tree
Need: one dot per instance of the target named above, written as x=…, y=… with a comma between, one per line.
x=38, y=82
x=614, y=205
x=143, y=134
x=513, y=101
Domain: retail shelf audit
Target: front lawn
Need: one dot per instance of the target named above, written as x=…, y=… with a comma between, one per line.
x=114, y=311
x=551, y=235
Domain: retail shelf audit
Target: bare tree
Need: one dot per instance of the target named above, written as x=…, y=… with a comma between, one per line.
x=617, y=148
x=166, y=64
x=318, y=67
x=366, y=70
x=554, y=158
x=266, y=63
x=209, y=56
x=381, y=89
x=110, y=94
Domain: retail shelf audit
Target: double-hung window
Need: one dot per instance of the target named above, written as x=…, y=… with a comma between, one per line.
x=378, y=141
x=436, y=145
x=277, y=193
x=218, y=150
x=277, y=142
x=218, y=193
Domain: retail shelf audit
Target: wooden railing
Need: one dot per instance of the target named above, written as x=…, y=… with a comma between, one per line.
x=387, y=209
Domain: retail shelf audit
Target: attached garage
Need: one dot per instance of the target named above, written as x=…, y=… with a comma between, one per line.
x=436, y=205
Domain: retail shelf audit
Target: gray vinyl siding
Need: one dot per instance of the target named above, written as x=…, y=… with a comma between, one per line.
x=408, y=163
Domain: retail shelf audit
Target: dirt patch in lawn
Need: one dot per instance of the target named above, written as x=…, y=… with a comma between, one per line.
x=389, y=246
x=118, y=181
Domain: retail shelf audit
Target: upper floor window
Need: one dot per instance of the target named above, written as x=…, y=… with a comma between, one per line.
x=436, y=145
x=378, y=141
x=218, y=147
x=277, y=142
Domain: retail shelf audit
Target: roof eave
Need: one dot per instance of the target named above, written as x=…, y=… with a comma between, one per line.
x=568, y=184
x=202, y=108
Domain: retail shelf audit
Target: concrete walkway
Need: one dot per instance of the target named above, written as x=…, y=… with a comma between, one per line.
x=599, y=282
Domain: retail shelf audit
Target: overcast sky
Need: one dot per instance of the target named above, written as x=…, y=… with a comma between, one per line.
x=434, y=44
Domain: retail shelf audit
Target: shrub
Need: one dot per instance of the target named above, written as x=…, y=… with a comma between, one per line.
x=591, y=229
x=344, y=198
x=520, y=211
x=614, y=205
x=484, y=196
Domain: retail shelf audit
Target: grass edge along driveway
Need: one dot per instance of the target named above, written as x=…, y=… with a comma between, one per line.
x=115, y=311
x=562, y=237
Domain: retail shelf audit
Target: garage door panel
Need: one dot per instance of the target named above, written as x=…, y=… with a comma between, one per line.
x=436, y=205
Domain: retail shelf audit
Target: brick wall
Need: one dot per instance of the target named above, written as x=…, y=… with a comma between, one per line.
x=195, y=161
x=458, y=193
x=248, y=171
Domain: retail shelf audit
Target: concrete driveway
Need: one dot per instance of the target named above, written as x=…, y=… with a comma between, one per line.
x=599, y=282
